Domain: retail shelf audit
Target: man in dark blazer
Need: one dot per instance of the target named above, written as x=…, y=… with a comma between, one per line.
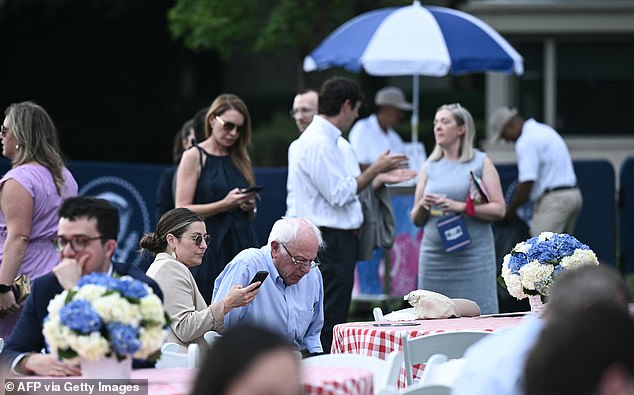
x=87, y=239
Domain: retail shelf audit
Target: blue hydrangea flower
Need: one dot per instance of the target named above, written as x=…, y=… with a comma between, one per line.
x=80, y=316
x=567, y=245
x=124, y=338
x=544, y=252
x=516, y=262
x=131, y=288
x=557, y=271
x=102, y=279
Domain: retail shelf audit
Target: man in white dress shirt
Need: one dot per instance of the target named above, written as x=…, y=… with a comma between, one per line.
x=305, y=106
x=325, y=178
x=545, y=172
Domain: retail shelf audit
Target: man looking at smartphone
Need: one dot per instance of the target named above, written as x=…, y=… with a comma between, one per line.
x=290, y=300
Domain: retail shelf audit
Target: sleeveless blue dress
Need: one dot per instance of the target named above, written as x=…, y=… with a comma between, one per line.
x=469, y=273
x=231, y=231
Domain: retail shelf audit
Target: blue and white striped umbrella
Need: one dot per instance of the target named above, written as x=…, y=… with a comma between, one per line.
x=415, y=40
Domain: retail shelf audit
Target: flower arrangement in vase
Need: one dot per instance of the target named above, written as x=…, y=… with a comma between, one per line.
x=532, y=265
x=104, y=317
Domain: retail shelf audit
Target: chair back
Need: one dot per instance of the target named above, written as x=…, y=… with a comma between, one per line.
x=172, y=357
x=418, y=350
x=377, y=312
x=384, y=372
x=210, y=337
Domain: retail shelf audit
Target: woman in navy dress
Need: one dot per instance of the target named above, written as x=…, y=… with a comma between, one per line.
x=210, y=180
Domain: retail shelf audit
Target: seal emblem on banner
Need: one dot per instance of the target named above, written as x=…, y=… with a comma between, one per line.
x=133, y=213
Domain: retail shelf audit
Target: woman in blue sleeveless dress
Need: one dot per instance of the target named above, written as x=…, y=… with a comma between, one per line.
x=209, y=182
x=442, y=190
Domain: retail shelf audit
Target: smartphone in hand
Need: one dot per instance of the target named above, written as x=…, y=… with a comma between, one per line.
x=253, y=188
x=259, y=276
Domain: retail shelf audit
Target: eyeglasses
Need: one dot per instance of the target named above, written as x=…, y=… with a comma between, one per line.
x=198, y=239
x=3, y=130
x=301, y=261
x=77, y=244
x=302, y=110
x=229, y=126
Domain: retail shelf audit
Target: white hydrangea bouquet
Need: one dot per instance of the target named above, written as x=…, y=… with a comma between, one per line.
x=104, y=316
x=532, y=265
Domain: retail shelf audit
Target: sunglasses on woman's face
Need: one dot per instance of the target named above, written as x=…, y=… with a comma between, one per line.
x=229, y=126
x=198, y=238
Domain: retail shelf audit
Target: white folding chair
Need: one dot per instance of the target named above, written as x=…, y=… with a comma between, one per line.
x=384, y=372
x=377, y=312
x=172, y=357
x=452, y=344
x=210, y=337
x=441, y=371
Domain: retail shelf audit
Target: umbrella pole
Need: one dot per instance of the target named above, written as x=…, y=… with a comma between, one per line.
x=414, y=121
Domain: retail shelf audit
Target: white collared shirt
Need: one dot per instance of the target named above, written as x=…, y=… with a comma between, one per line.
x=543, y=157
x=322, y=174
x=370, y=141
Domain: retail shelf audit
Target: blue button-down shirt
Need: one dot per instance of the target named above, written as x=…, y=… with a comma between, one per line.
x=294, y=311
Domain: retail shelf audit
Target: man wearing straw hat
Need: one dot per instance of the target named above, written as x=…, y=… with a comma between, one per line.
x=545, y=172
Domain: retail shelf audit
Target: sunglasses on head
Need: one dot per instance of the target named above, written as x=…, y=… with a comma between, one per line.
x=229, y=126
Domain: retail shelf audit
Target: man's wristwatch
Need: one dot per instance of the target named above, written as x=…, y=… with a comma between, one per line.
x=4, y=288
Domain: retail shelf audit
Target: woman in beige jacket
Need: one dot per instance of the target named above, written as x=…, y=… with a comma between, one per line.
x=179, y=242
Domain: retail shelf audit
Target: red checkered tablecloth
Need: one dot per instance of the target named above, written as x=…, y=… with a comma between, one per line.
x=366, y=338
x=171, y=381
x=317, y=380
x=336, y=380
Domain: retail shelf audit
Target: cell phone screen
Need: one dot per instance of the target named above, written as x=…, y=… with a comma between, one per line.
x=259, y=276
x=254, y=188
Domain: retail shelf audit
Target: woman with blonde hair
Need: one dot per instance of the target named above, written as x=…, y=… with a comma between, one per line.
x=464, y=269
x=30, y=195
x=210, y=181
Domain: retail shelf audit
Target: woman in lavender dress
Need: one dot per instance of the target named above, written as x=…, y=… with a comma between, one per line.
x=30, y=195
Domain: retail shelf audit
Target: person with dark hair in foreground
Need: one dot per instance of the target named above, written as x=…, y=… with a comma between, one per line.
x=249, y=360
x=495, y=365
x=589, y=354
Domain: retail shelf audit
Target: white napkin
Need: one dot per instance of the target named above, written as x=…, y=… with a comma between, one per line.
x=401, y=315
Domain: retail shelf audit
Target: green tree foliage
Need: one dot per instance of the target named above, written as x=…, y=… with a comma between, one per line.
x=263, y=25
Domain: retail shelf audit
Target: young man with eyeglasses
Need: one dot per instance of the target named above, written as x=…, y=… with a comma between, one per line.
x=290, y=300
x=87, y=238
x=305, y=106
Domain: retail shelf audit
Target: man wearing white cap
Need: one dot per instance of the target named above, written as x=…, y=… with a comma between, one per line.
x=372, y=136
x=545, y=172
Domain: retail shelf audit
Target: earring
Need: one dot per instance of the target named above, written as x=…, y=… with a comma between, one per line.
x=174, y=254
x=17, y=146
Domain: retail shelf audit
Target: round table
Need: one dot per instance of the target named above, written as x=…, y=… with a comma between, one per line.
x=379, y=339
